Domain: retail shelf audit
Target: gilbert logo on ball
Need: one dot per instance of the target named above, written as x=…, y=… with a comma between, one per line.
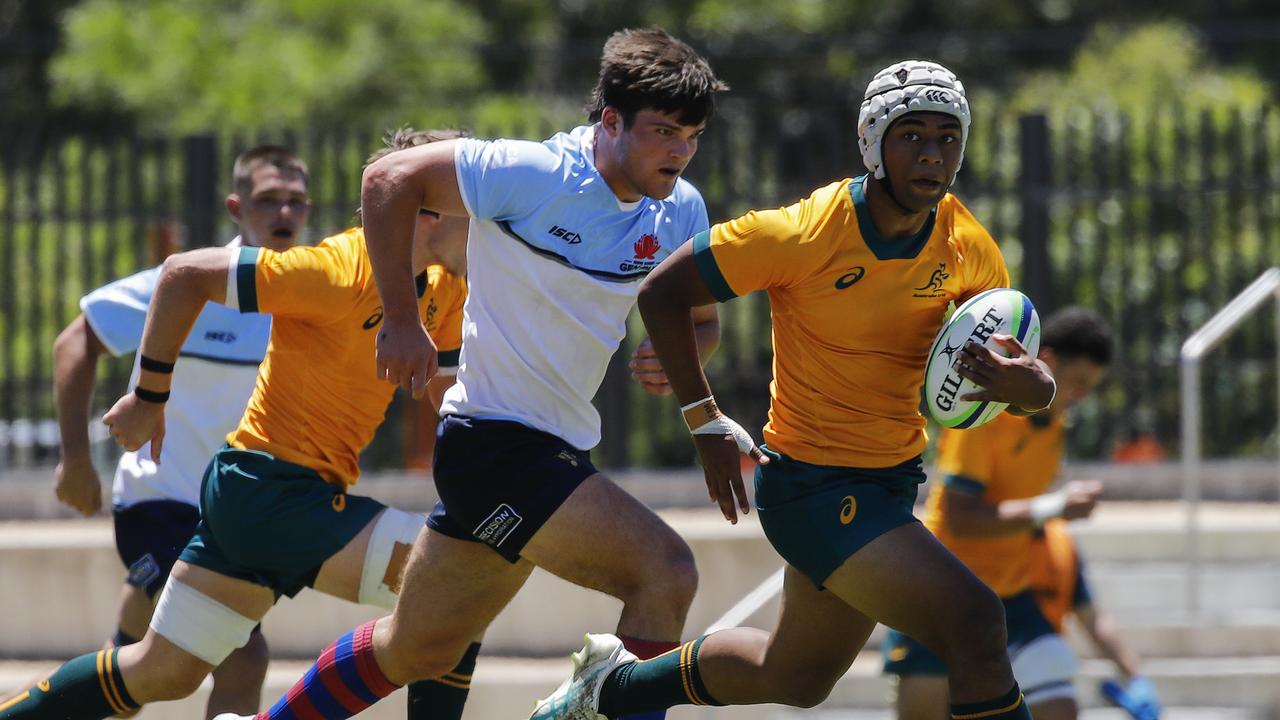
x=995, y=312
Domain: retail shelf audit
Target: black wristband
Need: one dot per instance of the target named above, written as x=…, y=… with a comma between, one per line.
x=153, y=365
x=151, y=396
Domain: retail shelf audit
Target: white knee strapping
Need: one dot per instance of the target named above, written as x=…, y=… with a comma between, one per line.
x=1045, y=669
x=393, y=537
x=199, y=624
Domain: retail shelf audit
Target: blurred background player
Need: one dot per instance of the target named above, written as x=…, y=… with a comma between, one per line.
x=993, y=497
x=155, y=505
x=1060, y=588
x=274, y=512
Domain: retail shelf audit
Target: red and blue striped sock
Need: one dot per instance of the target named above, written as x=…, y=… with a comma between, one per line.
x=343, y=682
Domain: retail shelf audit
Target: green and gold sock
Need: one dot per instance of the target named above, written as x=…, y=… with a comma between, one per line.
x=1009, y=706
x=87, y=688
x=444, y=697
x=646, y=686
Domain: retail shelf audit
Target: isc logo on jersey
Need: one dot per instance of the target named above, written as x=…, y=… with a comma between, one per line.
x=995, y=312
x=565, y=234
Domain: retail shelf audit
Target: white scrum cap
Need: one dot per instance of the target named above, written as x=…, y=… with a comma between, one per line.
x=905, y=87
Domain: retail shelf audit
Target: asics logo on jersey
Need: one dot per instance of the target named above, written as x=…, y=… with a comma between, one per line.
x=848, y=508
x=374, y=319
x=850, y=277
x=565, y=234
x=222, y=336
x=647, y=246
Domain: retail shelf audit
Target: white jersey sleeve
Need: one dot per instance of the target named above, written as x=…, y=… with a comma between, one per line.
x=117, y=311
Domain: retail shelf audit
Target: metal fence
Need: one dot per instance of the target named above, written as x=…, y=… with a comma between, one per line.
x=1154, y=221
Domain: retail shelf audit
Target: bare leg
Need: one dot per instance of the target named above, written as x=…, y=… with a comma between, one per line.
x=237, y=682
x=908, y=580
x=156, y=669
x=922, y=697
x=604, y=539
x=452, y=591
x=1055, y=709
x=815, y=641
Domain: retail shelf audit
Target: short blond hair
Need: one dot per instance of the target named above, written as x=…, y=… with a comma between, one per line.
x=406, y=137
x=250, y=160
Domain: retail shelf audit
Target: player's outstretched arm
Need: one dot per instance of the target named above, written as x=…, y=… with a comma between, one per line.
x=970, y=515
x=647, y=370
x=75, y=366
x=187, y=281
x=392, y=191
x=1022, y=380
x=667, y=298
x=1105, y=634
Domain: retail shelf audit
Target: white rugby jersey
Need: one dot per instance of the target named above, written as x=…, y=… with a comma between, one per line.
x=212, y=382
x=554, y=263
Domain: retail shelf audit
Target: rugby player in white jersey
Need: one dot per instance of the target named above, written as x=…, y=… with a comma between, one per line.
x=154, y=505
x=562, y=232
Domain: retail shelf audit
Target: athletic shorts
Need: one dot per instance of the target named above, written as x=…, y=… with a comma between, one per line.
x=500, y=481
x=817, y=516
x=149, y=537
x=1026, y=626
x=272, y=522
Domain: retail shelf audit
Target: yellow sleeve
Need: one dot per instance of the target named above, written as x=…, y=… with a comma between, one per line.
x=966, y=459
x=447, y=333
x=983, y=262
x=317, y=282
x=760, y=250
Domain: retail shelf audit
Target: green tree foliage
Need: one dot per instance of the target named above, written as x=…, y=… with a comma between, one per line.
x=1138, y=70
x=188, y=65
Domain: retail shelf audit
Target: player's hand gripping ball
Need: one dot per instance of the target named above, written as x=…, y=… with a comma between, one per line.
x=995, y=312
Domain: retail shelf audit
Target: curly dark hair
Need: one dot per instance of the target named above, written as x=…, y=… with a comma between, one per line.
x=1075, y=332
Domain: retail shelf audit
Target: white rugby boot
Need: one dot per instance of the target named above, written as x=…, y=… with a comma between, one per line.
x=579, y=696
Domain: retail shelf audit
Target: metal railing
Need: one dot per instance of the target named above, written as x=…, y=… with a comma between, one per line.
x=1193, y=350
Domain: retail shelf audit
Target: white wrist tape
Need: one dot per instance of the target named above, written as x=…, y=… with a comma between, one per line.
x=1047, y=506
x=704, y=418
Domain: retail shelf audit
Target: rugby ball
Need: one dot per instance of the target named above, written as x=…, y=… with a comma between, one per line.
x=995, y=312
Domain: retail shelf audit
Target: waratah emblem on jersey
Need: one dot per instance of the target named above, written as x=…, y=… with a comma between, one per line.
x=647, y=246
